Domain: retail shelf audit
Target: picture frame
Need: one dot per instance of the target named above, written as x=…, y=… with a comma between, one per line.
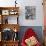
x=30, y=12
x=5, y=12
x=13, y=12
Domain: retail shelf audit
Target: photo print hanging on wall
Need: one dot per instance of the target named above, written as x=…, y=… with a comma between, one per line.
x=30, y=12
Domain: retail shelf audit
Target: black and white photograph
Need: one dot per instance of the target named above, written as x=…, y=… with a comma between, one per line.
x=30, y=12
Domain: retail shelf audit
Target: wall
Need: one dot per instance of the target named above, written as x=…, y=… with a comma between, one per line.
x=22, y=21
x=39, y=13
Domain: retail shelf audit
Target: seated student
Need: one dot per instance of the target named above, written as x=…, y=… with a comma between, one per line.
x=30, y=38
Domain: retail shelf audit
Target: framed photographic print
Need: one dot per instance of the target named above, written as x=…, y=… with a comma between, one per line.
x=30, y=12
x=5, y=12
x=13, y=12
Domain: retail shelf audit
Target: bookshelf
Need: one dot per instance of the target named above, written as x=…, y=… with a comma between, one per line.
x=9, y=23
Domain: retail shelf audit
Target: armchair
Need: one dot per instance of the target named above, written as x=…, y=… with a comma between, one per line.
x=30, y=38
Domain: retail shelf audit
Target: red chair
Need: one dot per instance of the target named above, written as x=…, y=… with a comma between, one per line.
x=29, y=33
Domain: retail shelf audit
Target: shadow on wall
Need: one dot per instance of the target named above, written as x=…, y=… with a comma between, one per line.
x=37, y=29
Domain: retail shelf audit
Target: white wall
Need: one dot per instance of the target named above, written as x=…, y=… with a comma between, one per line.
x=22, y=3
x=39, y=13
